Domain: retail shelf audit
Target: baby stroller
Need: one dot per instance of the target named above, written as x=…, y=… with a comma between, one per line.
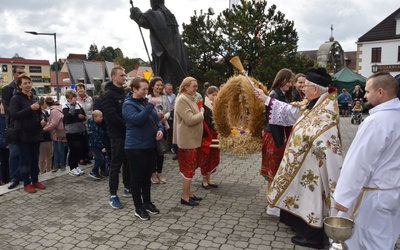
x=356, y=117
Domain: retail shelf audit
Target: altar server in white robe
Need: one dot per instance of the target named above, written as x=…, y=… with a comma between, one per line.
x=372, y=169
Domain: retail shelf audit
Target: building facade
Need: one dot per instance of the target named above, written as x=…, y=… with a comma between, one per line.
x=39, y=70
x=379, y=48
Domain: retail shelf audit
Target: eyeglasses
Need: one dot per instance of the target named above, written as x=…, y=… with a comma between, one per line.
x=305, y=86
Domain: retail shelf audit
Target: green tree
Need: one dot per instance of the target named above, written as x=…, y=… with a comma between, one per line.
x=16, y=55
x=204, y=49
x=53, y=66
x=109, y=54
x=127, y=63
x=112, y=55
x=263, y=39
x=93, y=52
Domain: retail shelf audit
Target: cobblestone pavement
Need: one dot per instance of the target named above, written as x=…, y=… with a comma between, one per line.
x=73, y=212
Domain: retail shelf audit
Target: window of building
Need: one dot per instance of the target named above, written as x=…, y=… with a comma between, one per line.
x=376, y=55
x=35, y=69
x=36, y=78
x=4, y=68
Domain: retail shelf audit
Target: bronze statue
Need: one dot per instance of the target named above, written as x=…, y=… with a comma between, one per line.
x=170, y=59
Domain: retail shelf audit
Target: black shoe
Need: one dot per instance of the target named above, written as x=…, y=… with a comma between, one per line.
x=142, y=214
x=103, y=173
x=213, y=185
x=205, y=186
x=151, y=208
x=175, y=157
x=83, y=163
x=13, y=184
x=195, y=198
x=298, y=240
x=189, y=203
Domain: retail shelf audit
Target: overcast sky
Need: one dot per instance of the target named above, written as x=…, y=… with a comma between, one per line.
x=80, y=23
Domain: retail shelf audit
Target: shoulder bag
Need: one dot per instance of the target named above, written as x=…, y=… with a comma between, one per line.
x=162, y=144
x=60, y=133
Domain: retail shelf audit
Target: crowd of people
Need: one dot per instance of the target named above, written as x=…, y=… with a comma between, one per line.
x=117, y=129
x=301, y=156
x=347, y=101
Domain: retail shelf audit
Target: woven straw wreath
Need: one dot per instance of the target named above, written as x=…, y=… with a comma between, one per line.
x=239, y=116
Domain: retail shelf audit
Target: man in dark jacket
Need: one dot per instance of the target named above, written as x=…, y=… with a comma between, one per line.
x=111, y=104
x=6, y=93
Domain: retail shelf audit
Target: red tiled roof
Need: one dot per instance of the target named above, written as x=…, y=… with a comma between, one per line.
x=24, y=61
x=385, y=30
x=77, y=56
x=61, y=76
x=350, y=59
x=311, y=54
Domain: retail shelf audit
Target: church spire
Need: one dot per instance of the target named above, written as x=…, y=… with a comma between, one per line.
x=331, y=39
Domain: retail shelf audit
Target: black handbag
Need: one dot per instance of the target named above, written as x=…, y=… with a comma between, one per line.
x=11, y=135
x=162, y=147
x=46, y=136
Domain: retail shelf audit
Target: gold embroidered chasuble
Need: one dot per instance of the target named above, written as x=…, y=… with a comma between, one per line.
x=310, y=167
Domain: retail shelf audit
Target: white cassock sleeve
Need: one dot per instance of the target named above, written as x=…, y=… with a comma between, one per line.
x=281, y=113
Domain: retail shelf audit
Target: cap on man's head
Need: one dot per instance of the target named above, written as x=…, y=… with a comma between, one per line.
x=319, y=76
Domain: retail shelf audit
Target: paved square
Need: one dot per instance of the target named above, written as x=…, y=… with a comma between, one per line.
x=73, y=212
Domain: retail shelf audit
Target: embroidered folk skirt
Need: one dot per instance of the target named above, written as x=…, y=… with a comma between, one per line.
x=189, y=160
x=271, y=157
x=211, y=158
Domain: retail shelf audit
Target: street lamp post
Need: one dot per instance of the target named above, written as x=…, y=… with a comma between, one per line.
x=55, y=53
x=374, y=68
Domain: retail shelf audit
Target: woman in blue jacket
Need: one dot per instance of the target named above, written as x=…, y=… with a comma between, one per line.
x=143, y=128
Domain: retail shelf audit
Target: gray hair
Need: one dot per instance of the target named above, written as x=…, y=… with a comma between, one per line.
x=321, y=88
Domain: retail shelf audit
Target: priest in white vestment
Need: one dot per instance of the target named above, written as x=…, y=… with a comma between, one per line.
x=307, y=176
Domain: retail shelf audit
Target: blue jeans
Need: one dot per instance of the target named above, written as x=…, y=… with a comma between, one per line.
x=99, y=159
x=14, y=162
x=29, y=162
x=58, y=154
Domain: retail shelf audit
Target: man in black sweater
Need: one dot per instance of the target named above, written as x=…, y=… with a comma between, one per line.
x=111, y=104
x=6, y=93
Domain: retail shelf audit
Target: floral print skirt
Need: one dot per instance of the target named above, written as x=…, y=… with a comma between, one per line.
x=271, y=157
x=189, y=160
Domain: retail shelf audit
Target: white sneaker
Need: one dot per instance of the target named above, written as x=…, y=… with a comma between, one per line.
x=80, y=171
x=74, y=172
x=273, y=211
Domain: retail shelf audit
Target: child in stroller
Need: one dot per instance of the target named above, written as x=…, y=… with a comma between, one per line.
x=356, y=113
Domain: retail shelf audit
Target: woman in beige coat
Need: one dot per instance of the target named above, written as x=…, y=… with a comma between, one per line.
x=188, y=134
